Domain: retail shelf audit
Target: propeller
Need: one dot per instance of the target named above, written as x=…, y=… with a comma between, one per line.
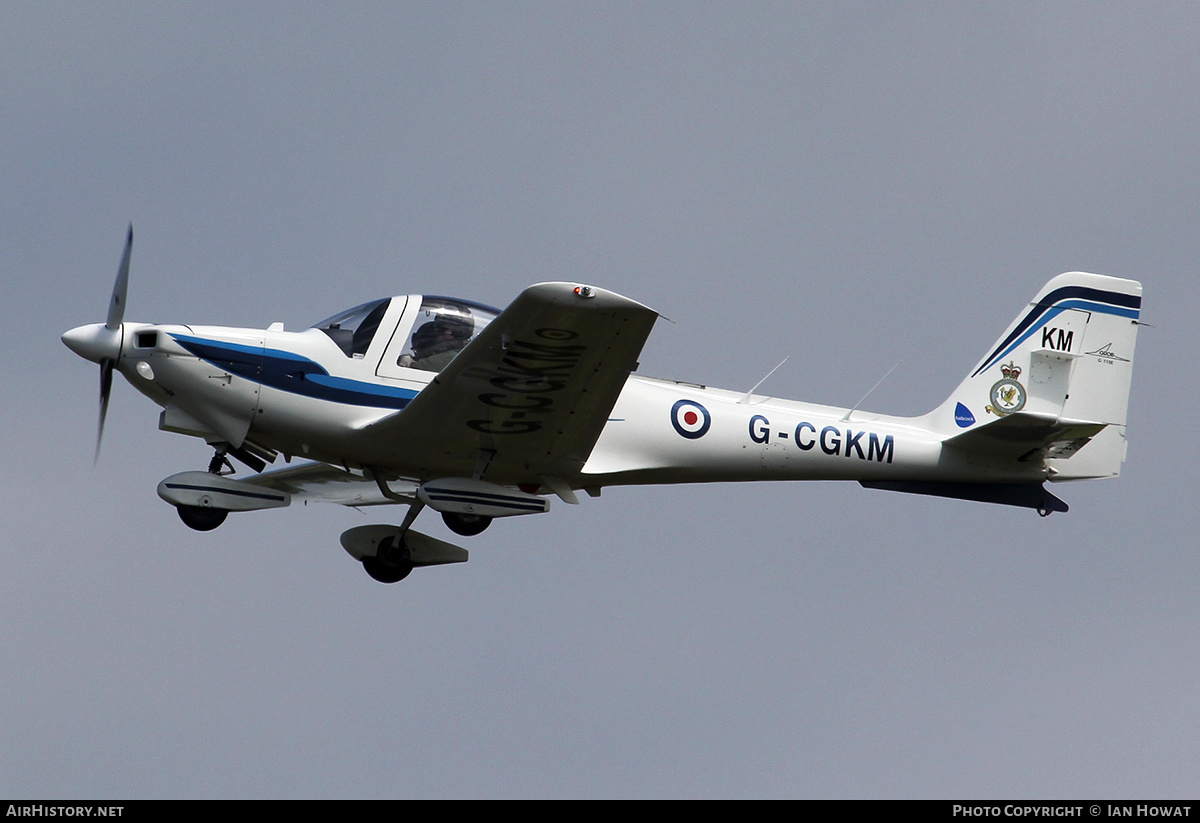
x=102, y=343
x=116, y=308
x=106, y=372
x=114, y=323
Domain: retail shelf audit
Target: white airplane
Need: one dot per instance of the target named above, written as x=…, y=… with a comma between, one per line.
x=479, y=413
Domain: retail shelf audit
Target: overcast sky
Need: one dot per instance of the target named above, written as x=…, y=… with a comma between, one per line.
x=845, y=184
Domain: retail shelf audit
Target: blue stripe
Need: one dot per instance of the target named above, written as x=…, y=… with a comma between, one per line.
x=482, y=497
x=294, y=374
x=222, y=490
x=1069, y=297
x=488, y=500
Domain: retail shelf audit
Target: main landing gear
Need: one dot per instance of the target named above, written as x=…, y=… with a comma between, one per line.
x=468, y=525
x=392, y=561
x=389, y=553
x=200, y=518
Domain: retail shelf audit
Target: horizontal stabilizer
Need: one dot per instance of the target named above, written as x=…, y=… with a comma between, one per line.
x=1027, y=436
x=1027, y=495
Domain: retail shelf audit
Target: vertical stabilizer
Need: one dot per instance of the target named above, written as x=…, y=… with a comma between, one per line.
x=1067, y=359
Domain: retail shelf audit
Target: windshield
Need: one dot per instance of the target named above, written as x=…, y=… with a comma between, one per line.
x=354, y=329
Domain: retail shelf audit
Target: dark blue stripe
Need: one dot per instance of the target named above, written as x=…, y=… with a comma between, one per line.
x=222, y=490
x=1071, y=297
x=479, y=494
x=294, y=374
x=494, y=500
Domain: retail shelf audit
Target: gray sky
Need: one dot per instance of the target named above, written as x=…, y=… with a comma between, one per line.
x=848, y=184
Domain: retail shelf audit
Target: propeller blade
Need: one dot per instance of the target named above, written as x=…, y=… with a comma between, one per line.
x=106, y=374
x=116, y=309
x=116, y=317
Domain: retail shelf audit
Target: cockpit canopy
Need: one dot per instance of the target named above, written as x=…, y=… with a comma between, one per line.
x=442, y=327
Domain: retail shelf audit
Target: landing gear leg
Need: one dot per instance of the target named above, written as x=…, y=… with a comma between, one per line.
x=219, y=463
x=413, y=511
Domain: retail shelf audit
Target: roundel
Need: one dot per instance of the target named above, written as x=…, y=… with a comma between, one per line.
x=690, y=419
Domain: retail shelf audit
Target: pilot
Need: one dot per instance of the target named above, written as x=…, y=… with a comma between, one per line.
x=437, y=342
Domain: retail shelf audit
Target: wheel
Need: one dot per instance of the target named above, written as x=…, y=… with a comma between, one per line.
x=389, y=564
x=468, y=525
x=200, y=518
x=385, y=573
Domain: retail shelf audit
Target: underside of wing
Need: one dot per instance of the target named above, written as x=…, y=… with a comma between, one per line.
x=319, y=481
x=527, y=399
x=1024, y=437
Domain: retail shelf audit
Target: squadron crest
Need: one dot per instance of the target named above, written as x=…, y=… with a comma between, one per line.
x=1007, y=394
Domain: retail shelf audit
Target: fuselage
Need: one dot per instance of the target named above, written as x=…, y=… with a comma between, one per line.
x=311, y=394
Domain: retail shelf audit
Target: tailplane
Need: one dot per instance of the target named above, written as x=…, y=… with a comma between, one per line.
x=1055, y=386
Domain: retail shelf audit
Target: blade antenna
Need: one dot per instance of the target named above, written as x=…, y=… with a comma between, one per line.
x=873, y=388
x=746, y=397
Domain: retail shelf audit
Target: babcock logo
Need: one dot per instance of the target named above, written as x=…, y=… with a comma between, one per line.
x=963, y=416
x=690, y=419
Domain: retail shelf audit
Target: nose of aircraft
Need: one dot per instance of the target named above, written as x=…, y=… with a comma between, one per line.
x=94, y=342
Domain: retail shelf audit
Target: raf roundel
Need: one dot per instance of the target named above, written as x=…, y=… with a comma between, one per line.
x=690, y=419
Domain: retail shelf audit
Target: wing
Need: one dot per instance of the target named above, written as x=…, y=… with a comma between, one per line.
x=319, y=481
x=527, y=398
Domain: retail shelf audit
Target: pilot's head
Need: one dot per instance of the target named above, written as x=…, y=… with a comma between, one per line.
x=444, y=330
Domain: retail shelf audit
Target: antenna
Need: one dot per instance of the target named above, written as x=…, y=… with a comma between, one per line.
x=746, y=398
x=873, y=388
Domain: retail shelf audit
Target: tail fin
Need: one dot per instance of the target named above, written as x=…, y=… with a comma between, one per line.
x=1057, y=380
